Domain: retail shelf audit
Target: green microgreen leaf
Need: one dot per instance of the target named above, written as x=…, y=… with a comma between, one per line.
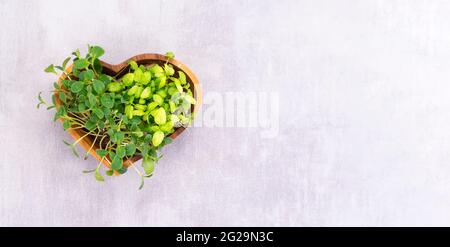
x=81, y=107
x=178, y=85
x=99, y=113
x=64, y=64
x=87, y=75
x=122, y=170
x=133, y=65
x=107, y=101
x=90, y=125
x=158, y=99
x=76, y=53
x=89, y=171
x=131, y=149
x=121, y=151
x=96, y=51
x=168, y=69
x=62, y=97
x=99, y=86
x=101, y=152
x=170, y=55
x=104, y=78
x=76, y=86
x=159, y=115
x=146, y=93
x=117, y=163
x=148, y=164
x=81, y=63
x=157, y=138
x=98, y=176
x=66, y=124
x=114, y=87
x=50, y=69
x=181, y=77
x=128, y=79
x=92, y=99
x=118, y=137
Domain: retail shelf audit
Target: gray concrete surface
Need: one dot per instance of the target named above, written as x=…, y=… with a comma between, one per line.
x=364, y=95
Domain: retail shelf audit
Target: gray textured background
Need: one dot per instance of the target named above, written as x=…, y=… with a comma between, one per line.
x=364, y=114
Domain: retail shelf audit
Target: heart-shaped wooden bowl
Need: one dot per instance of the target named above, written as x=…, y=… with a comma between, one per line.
x=120, y=70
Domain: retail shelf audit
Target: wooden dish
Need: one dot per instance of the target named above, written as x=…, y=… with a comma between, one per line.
x=120, y=70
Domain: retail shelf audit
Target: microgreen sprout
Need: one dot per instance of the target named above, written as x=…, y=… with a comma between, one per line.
x=125, y=116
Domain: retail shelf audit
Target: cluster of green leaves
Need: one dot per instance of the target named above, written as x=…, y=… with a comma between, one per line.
x=126, y=116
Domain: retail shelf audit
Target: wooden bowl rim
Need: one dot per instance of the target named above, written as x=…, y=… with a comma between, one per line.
x=117, y=68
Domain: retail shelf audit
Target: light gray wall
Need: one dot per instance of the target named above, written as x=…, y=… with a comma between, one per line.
x=364, y=135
